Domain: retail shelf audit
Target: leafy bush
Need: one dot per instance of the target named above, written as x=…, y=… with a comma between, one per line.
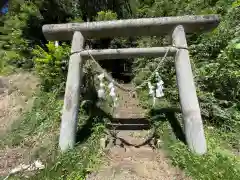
x=106, y=15
x=14, y=43
x=51, y=65
x=215, y=58
x=209, y=166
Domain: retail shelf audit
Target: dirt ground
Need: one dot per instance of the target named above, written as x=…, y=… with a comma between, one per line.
x=131, y=163
x=121, y=162
x=16, y=97
x=137, y=164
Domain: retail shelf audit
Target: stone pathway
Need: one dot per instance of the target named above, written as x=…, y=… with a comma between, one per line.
x=129, y=162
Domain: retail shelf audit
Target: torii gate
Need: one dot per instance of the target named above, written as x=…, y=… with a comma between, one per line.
x=177, y=26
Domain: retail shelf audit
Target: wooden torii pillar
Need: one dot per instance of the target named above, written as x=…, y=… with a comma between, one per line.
x=178, y=26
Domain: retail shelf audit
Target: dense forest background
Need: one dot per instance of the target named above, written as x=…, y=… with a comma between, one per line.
x=215, y=55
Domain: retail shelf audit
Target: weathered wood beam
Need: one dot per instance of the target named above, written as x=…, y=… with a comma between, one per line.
x=131, y=27
x=72, y=93
x=193, y=125
x=129, y=53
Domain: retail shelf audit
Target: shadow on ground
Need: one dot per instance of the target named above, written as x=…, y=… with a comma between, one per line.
x=90, y=108
x=94, y=112
x=169, y=114
x=97, y=115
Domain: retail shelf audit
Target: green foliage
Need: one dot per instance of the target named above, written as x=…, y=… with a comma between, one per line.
x=106, y=16
x=215, y=61
x=51, y=65
x=236, y=4
x=21, y=27
x=215, y=58
x=44, y=117
x=217, y=71
x=75, y=164
x=39, y=130
x=16, y=47
x=90, y=8
x=218, y=163
x=76, y=20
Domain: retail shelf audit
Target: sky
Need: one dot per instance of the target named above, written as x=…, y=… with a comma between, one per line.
x=4, y=9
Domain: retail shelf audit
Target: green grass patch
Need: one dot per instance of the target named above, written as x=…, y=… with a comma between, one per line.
x=222, y=161
x=43, y=118
x=218, y=163
x=38, y=132
x=77, y=163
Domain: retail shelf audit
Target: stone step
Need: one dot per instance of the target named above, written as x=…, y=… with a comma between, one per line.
x=135, y=137
x=130, y=120
x=128, y=126
x=130, y=110
x=134, y=141
x=130, y=115
x=132, y=153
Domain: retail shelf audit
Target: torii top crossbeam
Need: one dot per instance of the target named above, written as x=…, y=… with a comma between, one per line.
x=131, y=27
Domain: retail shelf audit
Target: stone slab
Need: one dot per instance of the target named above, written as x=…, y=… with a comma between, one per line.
x=131, y=27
